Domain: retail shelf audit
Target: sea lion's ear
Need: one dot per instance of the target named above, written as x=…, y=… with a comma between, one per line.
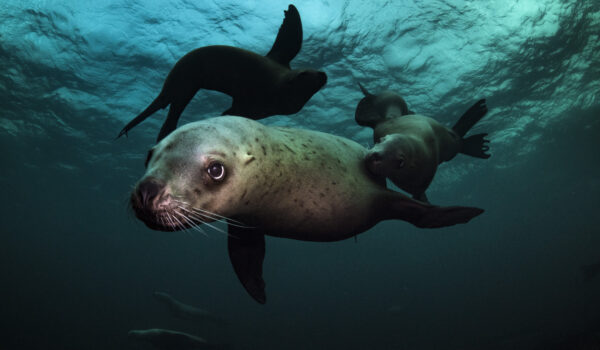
x=247, y=251
x=289, y=38
x=364, y=91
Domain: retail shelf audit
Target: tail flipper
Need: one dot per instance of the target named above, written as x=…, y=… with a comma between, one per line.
x=425, y=215
x=470, y=118
x=436, y=217
x=159, y=103
x=476, y=146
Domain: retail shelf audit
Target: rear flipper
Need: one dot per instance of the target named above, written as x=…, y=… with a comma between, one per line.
x=428, y=216
x=435, y=217
x=476, y=146
x=175, y=111
x=470, y=118
x=159, y=103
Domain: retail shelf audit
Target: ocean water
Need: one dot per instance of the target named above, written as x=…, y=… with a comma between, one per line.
x=77, y=269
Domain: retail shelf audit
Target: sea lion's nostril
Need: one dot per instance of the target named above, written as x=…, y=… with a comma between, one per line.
x=148, y=190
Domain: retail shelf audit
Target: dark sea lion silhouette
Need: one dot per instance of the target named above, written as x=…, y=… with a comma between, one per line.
x=409, y=147
x=261, y=86
x=164, y=339
x=184, y=311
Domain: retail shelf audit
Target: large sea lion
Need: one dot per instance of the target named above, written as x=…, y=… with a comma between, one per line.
x=184, y=311
x=261, y=86
x=276, y=181
x=409, y=147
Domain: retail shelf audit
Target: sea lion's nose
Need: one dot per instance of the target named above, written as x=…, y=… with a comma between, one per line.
x=148, y=190
x=323, y=77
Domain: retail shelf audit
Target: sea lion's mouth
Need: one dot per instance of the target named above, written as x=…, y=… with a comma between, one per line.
x=163, y=211
x=163, y=220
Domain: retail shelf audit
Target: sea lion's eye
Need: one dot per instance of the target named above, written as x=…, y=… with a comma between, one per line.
x=216, y=171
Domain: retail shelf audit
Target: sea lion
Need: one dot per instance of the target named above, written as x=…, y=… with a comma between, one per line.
x=184, y=311
x=277, y=181
x=261, y=86
x=164, y=339
x=409, y=147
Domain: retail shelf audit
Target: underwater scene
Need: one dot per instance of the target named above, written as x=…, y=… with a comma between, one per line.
x=318, y=175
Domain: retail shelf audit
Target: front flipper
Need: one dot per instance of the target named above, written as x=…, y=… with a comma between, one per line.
x=159, y=103
x=247, y=251
x=175, y=111
x=289, y=38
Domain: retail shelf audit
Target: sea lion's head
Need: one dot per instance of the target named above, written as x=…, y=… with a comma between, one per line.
x=392, y=156
x=373, y=109
x=392, y=105
x=297, y=88
x=190, y=178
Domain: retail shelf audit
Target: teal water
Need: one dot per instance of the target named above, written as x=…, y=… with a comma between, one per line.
x=77, y=270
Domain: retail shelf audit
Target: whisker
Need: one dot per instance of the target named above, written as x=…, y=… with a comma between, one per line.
x=171, y=223
x=211, y=215
x=218, y=216
x=197, y=211
x=199, y=216
x=209, y=224
x=179, y=224
x=206, y=214
x=192, y=224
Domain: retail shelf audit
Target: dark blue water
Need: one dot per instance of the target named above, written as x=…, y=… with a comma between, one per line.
x=77, y=269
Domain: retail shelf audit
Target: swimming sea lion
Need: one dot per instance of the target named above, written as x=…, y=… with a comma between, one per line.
x=261, y=86
x=409, y=147
x=164, y=339
x=276, y=181
x=184, y=311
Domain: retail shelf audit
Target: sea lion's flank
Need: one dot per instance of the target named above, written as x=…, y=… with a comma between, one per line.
x=409, y=147
x=184, y=311
x=261, y=86
x=164, y=339
x=283, y=182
